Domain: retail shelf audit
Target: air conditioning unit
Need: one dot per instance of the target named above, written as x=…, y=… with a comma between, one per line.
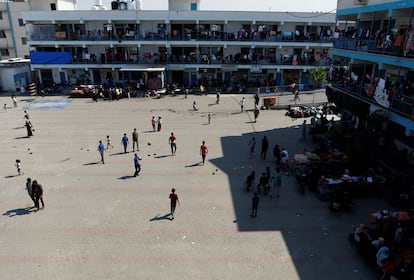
x=360, y=2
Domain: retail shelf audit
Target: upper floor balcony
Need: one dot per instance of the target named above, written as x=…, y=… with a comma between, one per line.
x=393, y=47
x=397, y=101
x=177, y=31
x=236, y=59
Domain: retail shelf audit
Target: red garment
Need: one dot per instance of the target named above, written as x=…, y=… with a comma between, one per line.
x=174, y=198
x=172, y=139
x=203, y=149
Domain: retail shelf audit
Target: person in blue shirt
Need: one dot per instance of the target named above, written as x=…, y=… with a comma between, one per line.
x=124, y=141
x=101, y=149
x=255, y=205
x=137, y=164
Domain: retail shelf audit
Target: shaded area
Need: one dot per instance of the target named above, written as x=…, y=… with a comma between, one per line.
x=17, y=212
x=92, y=163
x=195, y=164
x=163, y=156
x=160, y=218
x=126, y=177
x=315, y=237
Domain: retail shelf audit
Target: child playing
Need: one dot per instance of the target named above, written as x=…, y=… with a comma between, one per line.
x=153, y=123
x=18, y=166
x=108, y=142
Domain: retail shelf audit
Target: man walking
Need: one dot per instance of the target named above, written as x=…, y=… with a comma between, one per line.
x=255, y=205
x=37, y=190
x=265, y=147
x=277, y=182
x=242, y=103
x=101, y=150
x=173, y=145
x=173, y=202
x=203, y=151
x=303, y=130
x=135, y=140
x=30, y=189
x=252, y=146
x=124, y=142
x=137, y=164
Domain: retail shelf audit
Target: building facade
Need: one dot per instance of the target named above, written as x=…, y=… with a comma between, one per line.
x=122, y=45
x=373, y=71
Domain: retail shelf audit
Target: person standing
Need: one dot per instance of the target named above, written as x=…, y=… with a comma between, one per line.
x=256, y=98
x=153, y=123
x=277, y=155
x=159, y=123
x=30, y=189
x=14, y=101
x=124, y=142
x=203, y=151
x=101, y=150
x=173, y=145
x=255, y=205
x=252, y=146
x=256, y=113
x=277, y=182
x=265, y=147
x=242, y=103
x=37, y=190
x=303, y=130
x=249, y=183
x=135, y=140
x=195, y=108
x=108, y=142
x=137, y=164
x=173, y=202
x=29, y=128
x=18, y=166
x=209, y=118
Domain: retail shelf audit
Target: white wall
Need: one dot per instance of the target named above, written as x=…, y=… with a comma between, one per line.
x=7, y=76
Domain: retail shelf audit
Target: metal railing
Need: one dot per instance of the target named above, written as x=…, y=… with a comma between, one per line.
x=400, y=103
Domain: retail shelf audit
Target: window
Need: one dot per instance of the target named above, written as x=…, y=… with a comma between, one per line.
x=2, y=34
x=53, y=6
x=21, y=23
x=4, y=52
x=1, y=15
x=24, y=41
x=193, y=6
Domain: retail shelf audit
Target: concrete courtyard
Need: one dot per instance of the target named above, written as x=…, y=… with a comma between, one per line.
x=100, y=222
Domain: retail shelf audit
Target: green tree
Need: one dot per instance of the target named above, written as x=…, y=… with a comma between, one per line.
x=318, y=76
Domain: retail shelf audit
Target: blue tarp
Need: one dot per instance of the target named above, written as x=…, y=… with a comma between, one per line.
x=50, y=57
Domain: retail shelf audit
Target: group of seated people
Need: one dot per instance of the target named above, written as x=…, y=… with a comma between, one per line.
x=385, y=246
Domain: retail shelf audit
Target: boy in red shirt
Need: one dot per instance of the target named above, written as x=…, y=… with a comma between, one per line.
x=203, y=151
x=174, y=199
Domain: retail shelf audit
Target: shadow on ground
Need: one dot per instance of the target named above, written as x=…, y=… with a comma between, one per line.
x=310, y=231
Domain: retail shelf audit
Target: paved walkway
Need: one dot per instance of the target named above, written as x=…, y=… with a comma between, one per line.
x=100, y=222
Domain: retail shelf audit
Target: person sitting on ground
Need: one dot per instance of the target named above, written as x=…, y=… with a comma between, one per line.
x=378, y=243
x=361, y=235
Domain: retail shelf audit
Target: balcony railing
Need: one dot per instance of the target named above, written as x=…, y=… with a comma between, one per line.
x=177, y=59
x=400, y=103
x=370, y=46
x=155, y=36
